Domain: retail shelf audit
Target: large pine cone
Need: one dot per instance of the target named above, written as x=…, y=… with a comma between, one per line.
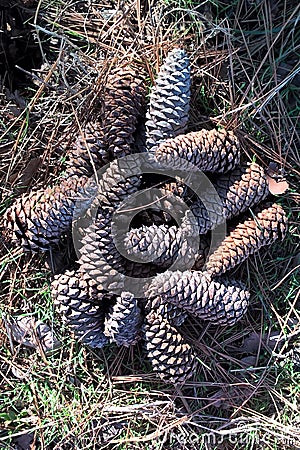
x=80, y=303
x=163, y=245
x=172, y=359
x=124, y=99
x=167, y=115
x=247, y=238
x=95, y=230
x=212, y=151
x=40, y=218
x=235, y=192
x=221, y=302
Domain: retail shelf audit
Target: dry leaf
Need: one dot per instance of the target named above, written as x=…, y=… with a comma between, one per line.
x=277, y=187
x=31, y=333
x=275, y=176
x=248, y=361
x=24, y=441
x=23, y=179
x=251, y=343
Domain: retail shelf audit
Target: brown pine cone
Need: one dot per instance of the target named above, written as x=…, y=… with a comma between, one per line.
x=80, y=303
x=119, y=181
x=100, y=263
x=212, y=151
x=97, y=238
x=124, y=99
x=167, y=115
x=95, y=233
x=123, y=324
x=88, y=153
x=172, y=359
x=247, y=238
x=40, y=218
x=234, y=193
x=221, y=302
x=100, y=260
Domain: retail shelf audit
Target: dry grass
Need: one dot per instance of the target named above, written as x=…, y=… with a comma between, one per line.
x=245, y=64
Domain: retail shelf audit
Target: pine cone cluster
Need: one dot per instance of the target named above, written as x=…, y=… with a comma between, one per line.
x=181, y=275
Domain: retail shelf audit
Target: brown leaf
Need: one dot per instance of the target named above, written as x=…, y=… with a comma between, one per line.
x=277, y=187
x=23, y=179
x=31, y=333
x=251, y=343
x=248, y=361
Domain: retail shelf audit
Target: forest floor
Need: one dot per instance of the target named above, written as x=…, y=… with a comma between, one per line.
x=245, y=62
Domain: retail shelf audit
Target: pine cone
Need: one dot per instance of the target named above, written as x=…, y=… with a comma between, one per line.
x=119, y=181
x=95, y=231
x=163, y=245
x=169, y=100
x=234, y=193
x=221, y=302
x=124, y=99
x=101, y=261
x=213, y=151
x=172, y=359
x=97, y=238
x=88, y=153
x=154, y=243
x=94, y=228
x=40, y=218
x=123, y=325
x=80, y=303
x=247, y=238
